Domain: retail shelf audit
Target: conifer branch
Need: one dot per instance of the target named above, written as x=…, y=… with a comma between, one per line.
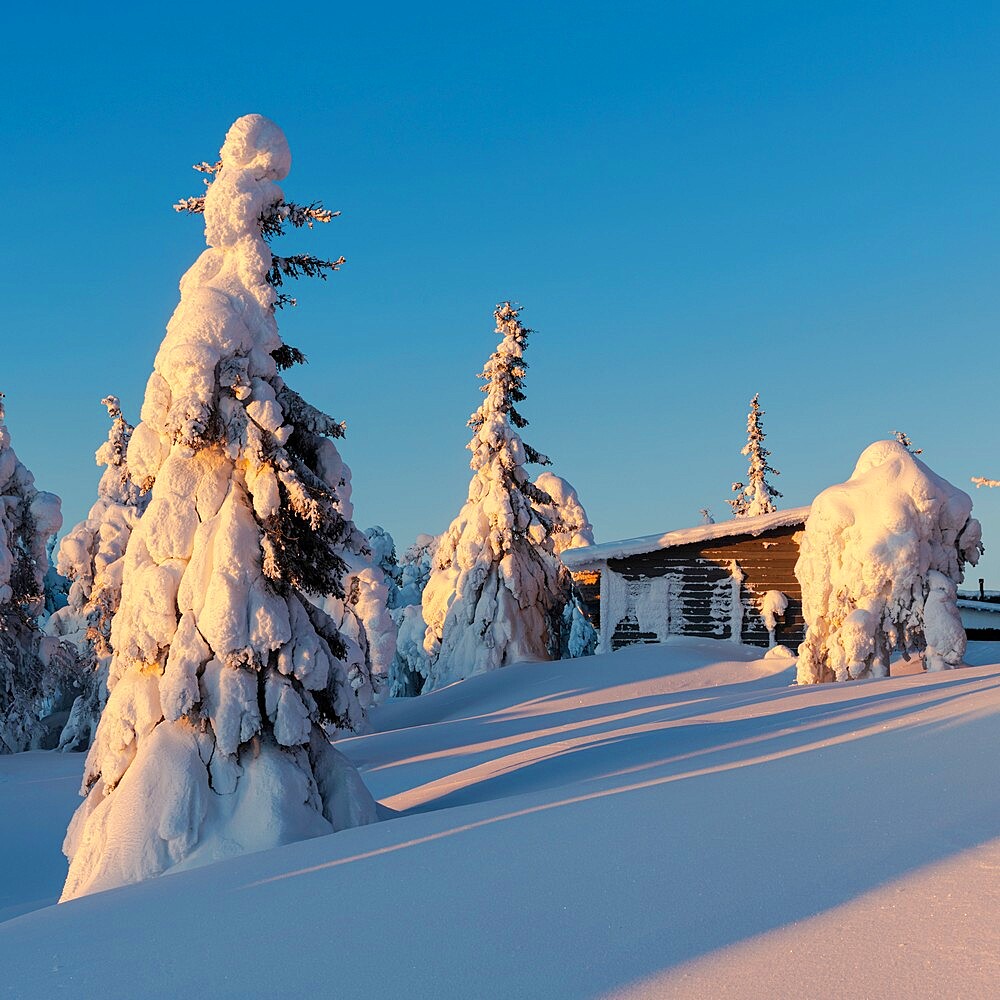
x=301, y=264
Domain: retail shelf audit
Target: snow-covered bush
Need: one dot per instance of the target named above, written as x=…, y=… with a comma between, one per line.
x=224, y=673
x=880, y=559
x=758, y=495
x=773, y=606
x=497, y=592
x=30, y=665
x=92, y=557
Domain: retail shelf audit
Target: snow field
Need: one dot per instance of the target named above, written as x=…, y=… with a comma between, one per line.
x=670, y=820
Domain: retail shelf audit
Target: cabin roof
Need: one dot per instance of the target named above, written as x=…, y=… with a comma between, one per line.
x=587, y=555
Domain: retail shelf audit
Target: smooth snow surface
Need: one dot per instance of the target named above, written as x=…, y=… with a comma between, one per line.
x=662, y=821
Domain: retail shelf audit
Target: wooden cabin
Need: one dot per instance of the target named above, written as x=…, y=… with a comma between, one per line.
x=714, y=581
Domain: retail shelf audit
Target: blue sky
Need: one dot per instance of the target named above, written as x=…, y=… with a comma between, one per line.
x=693, y=202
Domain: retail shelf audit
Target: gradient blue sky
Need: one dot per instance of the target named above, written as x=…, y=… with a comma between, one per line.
x=694, y=202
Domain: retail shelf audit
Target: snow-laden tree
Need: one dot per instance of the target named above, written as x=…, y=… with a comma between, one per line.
x=415, y=569
x=383, y=549
x=757, y=495
x=570, y=529
x=224, y=673
x=92, y=557
x=30, y=666
x=362, y=614
x=497, y=592
x=880, y=561
x=410, y=663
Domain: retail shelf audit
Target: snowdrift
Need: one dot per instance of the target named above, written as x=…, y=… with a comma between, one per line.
x=669, y=820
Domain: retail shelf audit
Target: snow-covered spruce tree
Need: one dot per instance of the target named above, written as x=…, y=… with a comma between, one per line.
x=362, y=614
x=497, y=591
x=570, y=529
x=224, y=673
x=757, y=496
x=92, y=557
x=410, y=664
x=880, y=561
x=29, y=665
x=383, y=549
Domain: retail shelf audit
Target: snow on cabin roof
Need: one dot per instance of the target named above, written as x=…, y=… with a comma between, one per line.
x=585, y=555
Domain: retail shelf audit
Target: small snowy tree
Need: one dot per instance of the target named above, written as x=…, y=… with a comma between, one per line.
x=30, y=666
x=410, y=664
x=757, y=496
x=415, y=570
x=224, y=674
x=497, y=591
x=880, y=561
x=92, y=557
x=706, y=515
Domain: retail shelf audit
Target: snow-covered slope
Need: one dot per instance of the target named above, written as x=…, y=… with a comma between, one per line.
x=664, y=821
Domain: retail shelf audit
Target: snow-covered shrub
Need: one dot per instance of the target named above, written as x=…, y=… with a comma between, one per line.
x=880, y=559
x=31, y=667
x=92, y=557
x=758, y=495
x=773, y=606
x=497, y=592
x=224, y=673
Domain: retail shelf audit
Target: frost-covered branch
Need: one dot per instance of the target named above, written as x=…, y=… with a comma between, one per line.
x=980, y=481
x=299, y=265
x=273, y=220
x=196, y=206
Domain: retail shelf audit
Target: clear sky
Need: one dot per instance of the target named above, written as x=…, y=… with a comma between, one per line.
x=694, y=202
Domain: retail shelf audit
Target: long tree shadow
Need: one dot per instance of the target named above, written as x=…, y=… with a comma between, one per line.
x=665, y=747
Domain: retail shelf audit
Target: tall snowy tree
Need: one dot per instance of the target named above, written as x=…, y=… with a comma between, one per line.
x=496, y=594
x=757, y=495
x=225, y=675
x=92, y=557
x=29, y=666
